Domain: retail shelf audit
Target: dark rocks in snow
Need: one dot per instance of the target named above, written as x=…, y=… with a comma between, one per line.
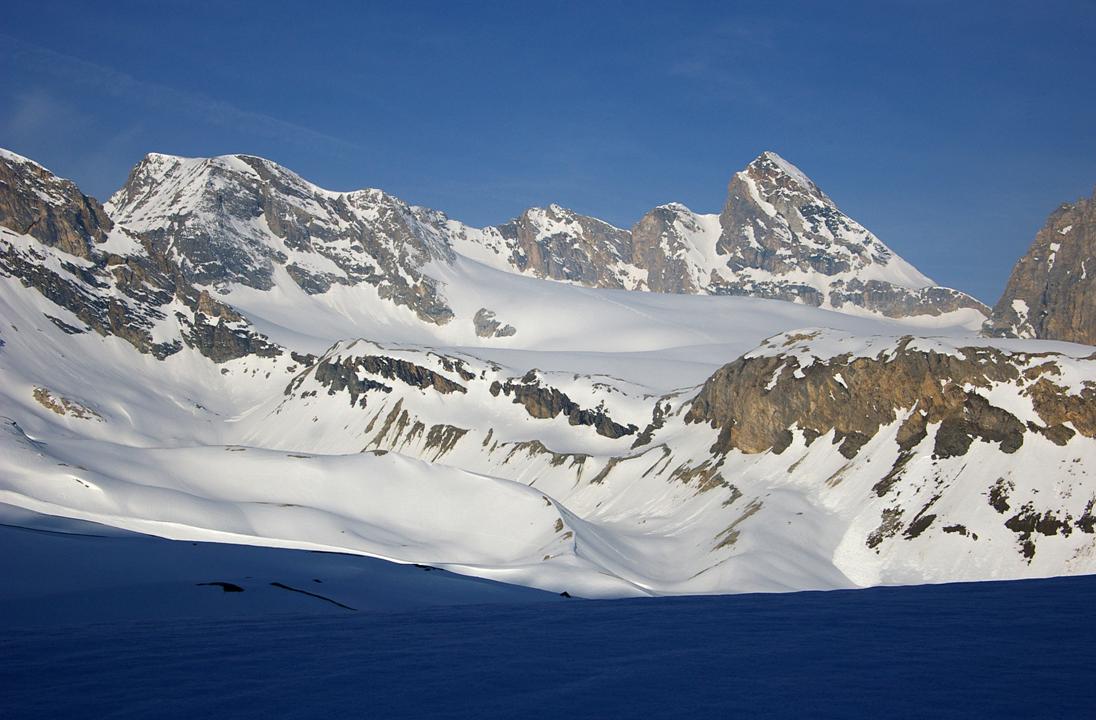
x=487, y=326
x=228, y=587
x=549, y=402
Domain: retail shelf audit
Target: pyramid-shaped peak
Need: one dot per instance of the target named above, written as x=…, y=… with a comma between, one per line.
x=770, y=162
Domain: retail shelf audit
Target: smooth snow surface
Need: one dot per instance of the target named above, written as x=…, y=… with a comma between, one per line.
x=996, y=650
x=59, y=571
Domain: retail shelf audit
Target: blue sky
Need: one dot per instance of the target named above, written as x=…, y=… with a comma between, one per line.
x=950, y=129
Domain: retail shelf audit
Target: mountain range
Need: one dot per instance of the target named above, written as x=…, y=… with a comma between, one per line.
x=767, y=398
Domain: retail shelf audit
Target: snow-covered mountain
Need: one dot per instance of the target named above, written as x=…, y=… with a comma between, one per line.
x=235, y=219
x=227, y=352
x=778, y=236
x=786, y=239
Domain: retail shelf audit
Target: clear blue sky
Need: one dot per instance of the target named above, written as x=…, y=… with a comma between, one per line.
x=950, y=129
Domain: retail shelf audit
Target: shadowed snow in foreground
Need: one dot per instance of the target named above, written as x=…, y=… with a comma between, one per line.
x=1000, y=649
x=118, y=625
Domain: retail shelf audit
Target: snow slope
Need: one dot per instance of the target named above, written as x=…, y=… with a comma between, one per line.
x=251, y=395
x=59, y=571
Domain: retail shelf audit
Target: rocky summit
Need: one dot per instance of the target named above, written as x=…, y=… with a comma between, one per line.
x=784, y=238
x=1051, y=293
x=763, y=399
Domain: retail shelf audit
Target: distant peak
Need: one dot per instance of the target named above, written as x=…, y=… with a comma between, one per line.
x=675, y=207
x=771, y=160
x=552, y=210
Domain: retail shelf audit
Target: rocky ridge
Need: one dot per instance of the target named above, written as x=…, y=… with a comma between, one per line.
x=182, y=233
x=757, y=400
x=235, y=219
x=778, y=236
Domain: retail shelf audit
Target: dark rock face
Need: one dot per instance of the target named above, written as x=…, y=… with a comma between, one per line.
x=52, y=210
x=548, y=402
x=35, y=202
x=338, y=376
x=756, y=400
x=661, y=249
x=408, y=372
x=220, y=333
x=229, y=218
x=345, y=374
x=559, y=244
x=778, y=221
x=83, y=291
x=772, y=290
x=1051, y=293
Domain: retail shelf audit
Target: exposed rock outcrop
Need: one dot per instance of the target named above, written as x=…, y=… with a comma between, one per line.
x=220, y=333
x=560, y=244
x=344, y=373
x=488, y=326
x=35, y=202
x=669, y=244
x=758, y=400
x=896, y=302
x=1051, y=293
x=105, y=275
x=542, y=401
